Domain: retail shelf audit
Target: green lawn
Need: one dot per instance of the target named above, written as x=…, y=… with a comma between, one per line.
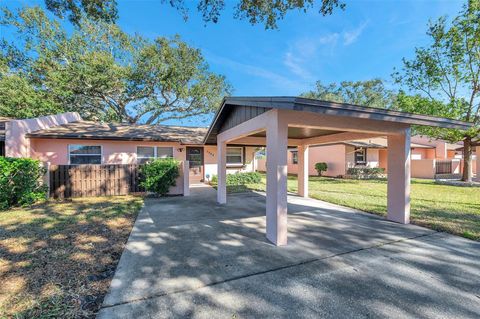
x=446, y=208
x=57, y=258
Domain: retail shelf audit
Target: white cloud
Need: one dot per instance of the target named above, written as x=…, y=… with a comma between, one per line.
x=301, y=55
x=294, y=65
x=351, y=36
x=274, y=78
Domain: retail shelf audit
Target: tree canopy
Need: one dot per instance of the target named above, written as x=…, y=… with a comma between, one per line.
x=372, y=93
x=102, y=72
x=265, y=12
x=446, y=76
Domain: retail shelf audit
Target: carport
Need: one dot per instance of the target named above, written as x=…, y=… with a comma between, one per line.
x=280, y=122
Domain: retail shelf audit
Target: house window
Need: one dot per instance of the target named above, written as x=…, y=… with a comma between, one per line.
x=148, y=153
x=234, y=155
x=85, y=154
x=294, y=157
x=164, y=152
x=360, y=156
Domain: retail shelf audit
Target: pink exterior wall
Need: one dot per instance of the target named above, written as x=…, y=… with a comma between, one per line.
x=423, y=153
x=16, y=142
x=333, y=155
x=55, y=151
x=383, y=159
x=424, y=168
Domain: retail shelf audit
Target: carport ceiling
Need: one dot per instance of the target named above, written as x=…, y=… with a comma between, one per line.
x=301, y=132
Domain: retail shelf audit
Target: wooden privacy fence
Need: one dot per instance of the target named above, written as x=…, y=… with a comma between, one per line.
x=93, y=180
x=443, y=167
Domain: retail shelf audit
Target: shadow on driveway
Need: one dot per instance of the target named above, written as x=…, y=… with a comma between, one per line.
x=190, y=257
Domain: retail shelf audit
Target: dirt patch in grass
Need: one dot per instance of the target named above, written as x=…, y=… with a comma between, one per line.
x=57, y=259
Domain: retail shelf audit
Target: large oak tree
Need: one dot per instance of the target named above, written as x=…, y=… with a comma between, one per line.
x=101, y=71
x=266, y=12
x=372, y=93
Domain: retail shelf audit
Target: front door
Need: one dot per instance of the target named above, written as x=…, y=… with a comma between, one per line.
x=195, y=158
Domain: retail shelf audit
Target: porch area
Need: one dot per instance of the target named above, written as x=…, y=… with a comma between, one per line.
x=279, y=123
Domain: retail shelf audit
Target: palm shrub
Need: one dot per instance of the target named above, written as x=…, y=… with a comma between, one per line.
x=321, y=167
x=21, y=182
x=159, y=175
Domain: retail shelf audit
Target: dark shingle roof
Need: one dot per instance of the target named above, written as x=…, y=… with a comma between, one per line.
x=126, y=132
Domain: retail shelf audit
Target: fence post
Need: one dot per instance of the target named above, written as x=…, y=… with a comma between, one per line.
x=186, y=180
x=46, y=178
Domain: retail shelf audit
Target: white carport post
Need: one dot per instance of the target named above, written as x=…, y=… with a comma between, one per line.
x=222, y=172
x=398, y=193
x=303, y=170
x=277, y=143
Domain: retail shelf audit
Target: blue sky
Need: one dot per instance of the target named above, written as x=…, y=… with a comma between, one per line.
x=365, y=41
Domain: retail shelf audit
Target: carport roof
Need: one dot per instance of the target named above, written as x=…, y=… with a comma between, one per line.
x=325, y=107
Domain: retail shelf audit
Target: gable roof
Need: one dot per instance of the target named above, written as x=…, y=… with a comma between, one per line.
x=126, y=132
x=325, y=107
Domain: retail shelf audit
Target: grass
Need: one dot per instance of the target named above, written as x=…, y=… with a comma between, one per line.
x=445, y=208
x=57, y=258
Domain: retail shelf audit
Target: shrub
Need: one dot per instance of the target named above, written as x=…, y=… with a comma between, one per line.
x=366, y=172
x=159, y=175
x=321, y=167
x=21, y=182
x=240, y=178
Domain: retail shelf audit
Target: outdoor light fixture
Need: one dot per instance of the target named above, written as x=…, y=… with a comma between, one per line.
x=180, y=149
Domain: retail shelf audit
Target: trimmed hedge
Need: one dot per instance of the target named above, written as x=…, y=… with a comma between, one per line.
x=240, y=178
x=159, y=175
x=365, y=172
x=21, y=182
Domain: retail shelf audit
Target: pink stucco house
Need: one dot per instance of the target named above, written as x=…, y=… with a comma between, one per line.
x=67, y=139
x=430, y=158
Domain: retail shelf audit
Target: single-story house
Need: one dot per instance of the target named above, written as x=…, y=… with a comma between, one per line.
x=240, y=125
x=66, y=139
x=430, y=158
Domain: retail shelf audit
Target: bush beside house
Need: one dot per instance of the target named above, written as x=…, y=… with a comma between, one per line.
x=321, y=167
x=21, y=182
x=365, y=172
x=240, y=178
x=159, y=175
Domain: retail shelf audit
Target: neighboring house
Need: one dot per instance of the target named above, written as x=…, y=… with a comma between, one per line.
x=67, y=139
x=430, y=158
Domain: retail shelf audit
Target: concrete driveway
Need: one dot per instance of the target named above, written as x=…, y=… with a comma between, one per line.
x=188, y=257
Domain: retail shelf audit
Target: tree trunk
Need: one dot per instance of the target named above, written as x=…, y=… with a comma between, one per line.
x=467, y=160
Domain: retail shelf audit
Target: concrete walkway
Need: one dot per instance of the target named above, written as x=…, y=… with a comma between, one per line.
x=188, y=257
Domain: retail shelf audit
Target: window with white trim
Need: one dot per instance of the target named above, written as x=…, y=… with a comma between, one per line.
x=234, y=155
x=148, y=153
x=84, y=154
x=294, y=157
x=360, y=156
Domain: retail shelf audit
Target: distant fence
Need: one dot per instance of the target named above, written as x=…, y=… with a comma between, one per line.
x=443, y=167
x=94, y=180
